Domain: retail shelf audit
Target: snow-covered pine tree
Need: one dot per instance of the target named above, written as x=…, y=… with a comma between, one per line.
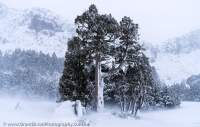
x=132, y=72
x=132, y=49
x=153, y=91
x=100, y=40
x=168, y=98
x=139, y=75
x=97, y=33
x=75, y=81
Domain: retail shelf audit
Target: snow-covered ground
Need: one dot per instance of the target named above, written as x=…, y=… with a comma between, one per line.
x=20, y=110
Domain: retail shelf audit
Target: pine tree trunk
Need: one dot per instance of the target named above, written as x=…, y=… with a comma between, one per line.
x=133, y=105
x=130, y=105
x=99, y=85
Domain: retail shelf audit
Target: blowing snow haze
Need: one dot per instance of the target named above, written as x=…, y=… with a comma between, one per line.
x=65, y=72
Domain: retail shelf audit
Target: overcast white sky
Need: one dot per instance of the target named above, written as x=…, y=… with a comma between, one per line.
x=158, y=19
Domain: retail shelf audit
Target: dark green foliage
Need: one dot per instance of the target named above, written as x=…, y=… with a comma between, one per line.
x=168, y=98
x=127, y=85
x=162, y=97
x=75, y=81
x=96, y=31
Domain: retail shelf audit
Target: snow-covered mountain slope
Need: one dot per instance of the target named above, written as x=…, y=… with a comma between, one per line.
x=177, y=59
x=36, y=29
x=176, y=68
x=183, y=44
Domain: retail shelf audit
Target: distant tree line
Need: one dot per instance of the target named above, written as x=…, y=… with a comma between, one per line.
x=188, y=90
x=30, y=73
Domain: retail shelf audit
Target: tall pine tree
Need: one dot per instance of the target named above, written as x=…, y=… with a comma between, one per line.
x=97, y=33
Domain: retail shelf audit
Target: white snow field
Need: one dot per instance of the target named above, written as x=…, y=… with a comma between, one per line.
x=21, y=110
